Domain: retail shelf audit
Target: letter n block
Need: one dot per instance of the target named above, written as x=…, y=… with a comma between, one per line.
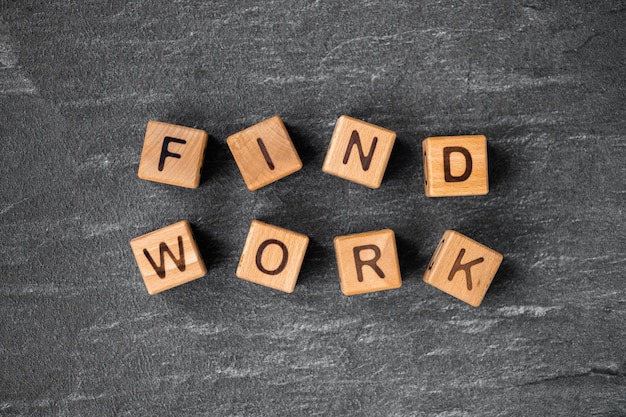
x=359, y=151
x=462, y=267
x=172, y=154
x=455, y=166
x=168, y=257
x=368, y=262
x=264, y=153
x=272, y=256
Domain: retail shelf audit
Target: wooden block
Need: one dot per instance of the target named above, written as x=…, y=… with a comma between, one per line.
x=172, y=154
x=272, y=256
x=359, y=151
x=168, y=257
x=264, y=153
x=462, y=267
x=455, y=166
x=368, y=262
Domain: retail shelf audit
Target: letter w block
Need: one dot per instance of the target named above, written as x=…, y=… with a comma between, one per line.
x=168, y=257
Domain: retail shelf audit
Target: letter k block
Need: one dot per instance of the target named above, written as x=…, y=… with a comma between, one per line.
x=172, y=154
x=368, y=262
x=462, y=267
x=455, y=166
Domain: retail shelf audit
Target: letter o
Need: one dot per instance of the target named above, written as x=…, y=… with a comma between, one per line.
x=259, y=256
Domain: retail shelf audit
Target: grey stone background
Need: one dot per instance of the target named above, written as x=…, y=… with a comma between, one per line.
x=79, y=335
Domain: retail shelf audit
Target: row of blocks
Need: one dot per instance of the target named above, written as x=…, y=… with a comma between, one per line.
x=272, y=256
x=358, y=151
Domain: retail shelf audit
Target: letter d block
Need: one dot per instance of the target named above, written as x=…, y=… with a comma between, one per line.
x=264, y=153
x=462, y=267
x=359, y=151
x=368, y=262
x=168, y=257
x=172, y=154
x=455, y=166
x=272, y=256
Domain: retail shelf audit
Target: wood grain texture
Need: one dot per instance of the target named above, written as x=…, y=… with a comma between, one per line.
x=544, y=81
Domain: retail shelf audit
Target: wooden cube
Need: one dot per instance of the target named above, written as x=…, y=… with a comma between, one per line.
x=264, y=153
x=359, y=151
x=462, y=267
x=272, y=256
x=172, y=154
x=368, y=262
x=455, y=166
x=168, y=257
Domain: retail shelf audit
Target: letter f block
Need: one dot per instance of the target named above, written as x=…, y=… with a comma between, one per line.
x=462, y=267
x=172, y=154
x=455, y=166
x=168, y=257
x=368, y=262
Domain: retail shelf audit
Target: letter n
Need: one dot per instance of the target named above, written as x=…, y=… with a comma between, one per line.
x=163, y=248
x=366, y=160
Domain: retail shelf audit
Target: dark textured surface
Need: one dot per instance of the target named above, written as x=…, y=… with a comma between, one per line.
x=79, y=335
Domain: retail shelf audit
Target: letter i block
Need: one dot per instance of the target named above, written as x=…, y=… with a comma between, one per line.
x=172, y=154
x=462, y=267
x=368, y=262
x=264, y=153
x=272, y=256
x=359, y=151
x=455, y=166
x=168, y=257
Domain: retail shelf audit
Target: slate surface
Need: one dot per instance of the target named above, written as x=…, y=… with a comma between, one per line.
x=79, y=335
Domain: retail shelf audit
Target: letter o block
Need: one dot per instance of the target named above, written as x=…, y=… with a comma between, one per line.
x=462, y=267
x=455, y=166
x=168, y=257
x=272, y=256
x=172, y=154
x=368, y=262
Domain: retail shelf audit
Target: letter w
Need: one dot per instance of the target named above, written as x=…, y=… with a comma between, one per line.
x=180, y=262
x=366, y=160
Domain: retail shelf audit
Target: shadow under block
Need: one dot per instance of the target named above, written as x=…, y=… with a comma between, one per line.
x=455, y=166
x=168, y=257
x=368, y=262
x=462, y=267
x=172, y=154
x=264, y=153
x=359, y=151
x=272, y=256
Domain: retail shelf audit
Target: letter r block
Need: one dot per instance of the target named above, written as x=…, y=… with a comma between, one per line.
x=264, y=153
x=272, y=256
x=455, y=166
x=168, y=257
x=462, y=267
x=172, y=154
x=368, y=262
x=359, y=151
